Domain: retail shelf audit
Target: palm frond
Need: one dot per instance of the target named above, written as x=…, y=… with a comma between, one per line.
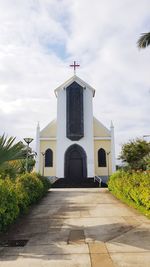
x=10, y=151
x=144, y=40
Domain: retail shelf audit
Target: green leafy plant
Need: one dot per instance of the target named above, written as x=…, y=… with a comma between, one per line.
x=135, y=153
x=14, y=168
x=32, y=186
x=144, y=40
x=133, y=188
x=45, y=181
x=10, y=151
x=17, y=195
x=9, y=209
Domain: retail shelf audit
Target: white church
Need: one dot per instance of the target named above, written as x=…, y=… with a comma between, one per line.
x=75, y=146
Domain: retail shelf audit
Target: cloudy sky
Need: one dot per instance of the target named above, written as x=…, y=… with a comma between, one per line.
x=40, y=38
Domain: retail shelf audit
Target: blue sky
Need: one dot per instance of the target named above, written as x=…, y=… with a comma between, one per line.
x=39, y=39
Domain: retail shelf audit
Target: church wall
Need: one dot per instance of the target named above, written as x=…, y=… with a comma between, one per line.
x=86, y=142
x=106, y=145
x=49, y=130
x=99, y=129
x=44, y=145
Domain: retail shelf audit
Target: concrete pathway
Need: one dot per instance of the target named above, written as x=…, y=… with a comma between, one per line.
x=80, y=227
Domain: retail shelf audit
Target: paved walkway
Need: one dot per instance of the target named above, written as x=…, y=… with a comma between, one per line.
x=80, y=227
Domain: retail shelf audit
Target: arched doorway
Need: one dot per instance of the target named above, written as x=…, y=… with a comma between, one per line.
x=75, y=164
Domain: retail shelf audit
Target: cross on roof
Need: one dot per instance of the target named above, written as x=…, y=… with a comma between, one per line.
x=74, y=65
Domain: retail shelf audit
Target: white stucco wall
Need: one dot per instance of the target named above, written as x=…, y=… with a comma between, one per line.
x=63, y=142
x=37, y=149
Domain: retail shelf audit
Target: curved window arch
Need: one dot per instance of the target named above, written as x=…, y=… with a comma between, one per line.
x=101, y=158
x=48, y=158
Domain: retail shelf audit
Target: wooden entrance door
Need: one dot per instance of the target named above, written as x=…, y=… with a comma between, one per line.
x=75, y=164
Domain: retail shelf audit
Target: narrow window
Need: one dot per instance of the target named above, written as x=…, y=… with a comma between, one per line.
x=48, y=158
x=101, y=158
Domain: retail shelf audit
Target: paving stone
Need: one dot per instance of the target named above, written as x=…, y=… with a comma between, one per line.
x=54, y=249
x=101, y=260
x=84, y=213
x=135, y=240
x=68, y=260
x=50, y=237
x=41, y=250
x=97, y=247
x=104, y=210
x=132, y=220
x=110, y=229
x=76, y=237
x=131, y=259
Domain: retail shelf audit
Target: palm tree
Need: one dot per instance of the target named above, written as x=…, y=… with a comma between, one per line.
x=10, y=151
x=144, y=40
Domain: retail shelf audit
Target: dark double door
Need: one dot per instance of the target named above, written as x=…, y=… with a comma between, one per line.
x=75, y=165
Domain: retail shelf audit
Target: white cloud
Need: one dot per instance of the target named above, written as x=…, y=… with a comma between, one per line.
x=40, y=38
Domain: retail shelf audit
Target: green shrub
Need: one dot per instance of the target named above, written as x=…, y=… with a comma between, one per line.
x=45, y=181
x=30, y=186
x=9, y=209
x=132, y=186
x=22, y=196
x=17, y=195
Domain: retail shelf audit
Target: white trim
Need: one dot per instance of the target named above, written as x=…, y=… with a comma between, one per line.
x=113, y=148
x=72, y=79
x=54, y=138
x=102, y=138
x=37, y=164
x=47, y=138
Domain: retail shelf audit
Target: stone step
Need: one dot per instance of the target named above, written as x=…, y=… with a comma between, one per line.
x=65, y=183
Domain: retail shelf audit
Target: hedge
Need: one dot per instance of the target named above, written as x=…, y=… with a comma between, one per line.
x=9, y=209
x=133, y=188
x=16, y=196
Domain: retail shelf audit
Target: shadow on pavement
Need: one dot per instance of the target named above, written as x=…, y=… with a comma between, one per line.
x=48, y=225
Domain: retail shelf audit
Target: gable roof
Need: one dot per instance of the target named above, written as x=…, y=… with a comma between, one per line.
x=49, y=130
x=74, y=78
x=99, y=129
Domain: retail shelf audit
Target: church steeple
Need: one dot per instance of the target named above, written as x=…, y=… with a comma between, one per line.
x=75, y=121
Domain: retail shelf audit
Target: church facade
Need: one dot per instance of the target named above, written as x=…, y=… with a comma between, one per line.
x=75, y=145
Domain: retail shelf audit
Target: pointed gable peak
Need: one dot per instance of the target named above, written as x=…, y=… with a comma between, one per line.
x=76, y=79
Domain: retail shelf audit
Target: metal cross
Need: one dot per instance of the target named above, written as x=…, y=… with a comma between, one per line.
x=74, y=65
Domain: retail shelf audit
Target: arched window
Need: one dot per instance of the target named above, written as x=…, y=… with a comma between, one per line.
x=101, y=158
x=48, y=158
